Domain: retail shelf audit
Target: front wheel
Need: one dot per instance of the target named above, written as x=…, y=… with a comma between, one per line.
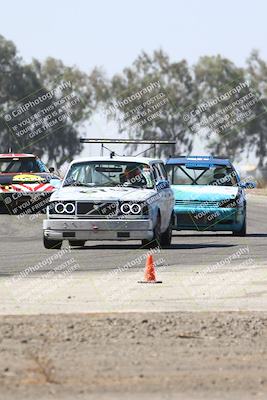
x=52, y=244
x=243, y=230
x=155, y=242
x=166, y=237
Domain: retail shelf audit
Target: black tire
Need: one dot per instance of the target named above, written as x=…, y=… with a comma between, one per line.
x=77, y=243
x=52, y=244
x=155, y=241
x=166, y=237
x=243, y=230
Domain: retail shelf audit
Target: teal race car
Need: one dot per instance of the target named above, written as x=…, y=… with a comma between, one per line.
x=209, y=194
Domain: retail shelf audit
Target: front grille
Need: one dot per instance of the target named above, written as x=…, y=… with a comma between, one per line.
x=100, y=209
x=197, y=203
x=202, y=218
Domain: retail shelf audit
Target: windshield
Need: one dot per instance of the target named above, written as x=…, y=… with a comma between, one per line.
x=16, y=165
x=109, y=173
x=216, y=175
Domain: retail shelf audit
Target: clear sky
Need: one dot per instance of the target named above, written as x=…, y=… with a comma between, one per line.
x=111, y=33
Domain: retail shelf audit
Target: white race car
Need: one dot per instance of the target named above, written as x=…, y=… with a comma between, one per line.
x=117, y=198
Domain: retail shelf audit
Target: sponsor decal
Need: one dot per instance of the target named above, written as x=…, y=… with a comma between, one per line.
x=28, y=178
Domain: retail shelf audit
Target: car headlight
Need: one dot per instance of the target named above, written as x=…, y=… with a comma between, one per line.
x=238, y=201
x=62, y=207
x=133, y=208
x=125, y=208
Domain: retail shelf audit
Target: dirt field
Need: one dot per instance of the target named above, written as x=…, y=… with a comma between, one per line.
x=134, y=356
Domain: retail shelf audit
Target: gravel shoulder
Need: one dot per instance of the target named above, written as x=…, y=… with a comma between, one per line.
x=134, y=356
x=257, y=192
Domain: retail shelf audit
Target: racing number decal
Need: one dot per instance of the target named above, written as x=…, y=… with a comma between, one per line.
x=28, y=178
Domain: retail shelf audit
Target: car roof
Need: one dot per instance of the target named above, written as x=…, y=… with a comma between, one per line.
x=16, y=155
x=137, y=160
x=198, y=160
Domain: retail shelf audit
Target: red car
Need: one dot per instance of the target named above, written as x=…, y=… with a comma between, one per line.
x=25, y=183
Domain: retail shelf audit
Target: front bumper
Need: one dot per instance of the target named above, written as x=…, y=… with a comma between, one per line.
x=98, y=229
x=209, y=219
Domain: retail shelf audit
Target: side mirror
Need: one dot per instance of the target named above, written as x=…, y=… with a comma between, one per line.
x=248, y=185
x=163, y=184
x=51, y=169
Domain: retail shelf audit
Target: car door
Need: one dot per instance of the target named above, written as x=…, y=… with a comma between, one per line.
x=163, y=198
x=169, y=192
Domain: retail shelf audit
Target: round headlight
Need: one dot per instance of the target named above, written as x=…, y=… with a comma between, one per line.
x=59, y=208
x=69, y=208
x=135, y=208
x=125, y=208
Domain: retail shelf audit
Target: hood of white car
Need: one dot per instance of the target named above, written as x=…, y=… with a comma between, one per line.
x=102, y=194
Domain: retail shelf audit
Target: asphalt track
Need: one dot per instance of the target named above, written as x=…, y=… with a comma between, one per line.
x=209, y=271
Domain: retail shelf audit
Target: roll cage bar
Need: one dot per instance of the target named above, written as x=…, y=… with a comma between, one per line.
x=153, y=144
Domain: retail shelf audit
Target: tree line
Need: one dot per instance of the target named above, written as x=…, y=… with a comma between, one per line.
x=213, y=102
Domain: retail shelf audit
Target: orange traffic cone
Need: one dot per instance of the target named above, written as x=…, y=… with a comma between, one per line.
x=150, y=273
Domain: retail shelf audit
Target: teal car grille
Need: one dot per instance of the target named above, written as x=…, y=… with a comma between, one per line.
x=197, y=203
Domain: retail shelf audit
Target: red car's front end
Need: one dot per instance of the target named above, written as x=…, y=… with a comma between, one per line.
x=25, y=184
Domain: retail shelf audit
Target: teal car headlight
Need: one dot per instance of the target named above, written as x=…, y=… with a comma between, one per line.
x=236, y=202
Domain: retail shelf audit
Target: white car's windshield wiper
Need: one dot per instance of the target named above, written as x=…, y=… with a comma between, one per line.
x=78, y=183
x=134, y=186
